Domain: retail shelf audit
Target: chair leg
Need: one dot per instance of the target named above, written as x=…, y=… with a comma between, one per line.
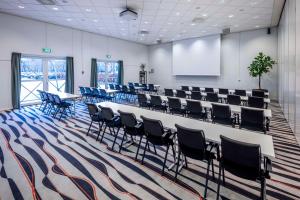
x=144, y=151
x=186, y=163
x=103, y=134
x=212, y=169
x=177, y=167
x=219, y=181
x=165, y=160
x=174, y=153
x=263, y=188
x=120, y=148
x=89, y=128
x=154, y=149
x=223, y=172
x=206, y=181
x=99, y=130
x=137, y=152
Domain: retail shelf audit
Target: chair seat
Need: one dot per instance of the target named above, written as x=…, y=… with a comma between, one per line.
x=97, y=117
x=65, y=104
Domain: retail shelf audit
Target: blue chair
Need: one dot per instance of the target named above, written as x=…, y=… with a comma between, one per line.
x=82, y=92
x=61, y=106
x=88, y=92
x=105, y=95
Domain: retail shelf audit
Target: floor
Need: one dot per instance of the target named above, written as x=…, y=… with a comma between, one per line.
x=43, y=158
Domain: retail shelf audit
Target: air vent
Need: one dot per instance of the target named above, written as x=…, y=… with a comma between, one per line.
x=226, y=31
x=198, y=20
x=143, y=32
x=47, y=2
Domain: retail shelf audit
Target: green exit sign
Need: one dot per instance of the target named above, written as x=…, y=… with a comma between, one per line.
x=46, y=50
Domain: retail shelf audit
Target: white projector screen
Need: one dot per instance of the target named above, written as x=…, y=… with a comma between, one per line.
x=197, y=56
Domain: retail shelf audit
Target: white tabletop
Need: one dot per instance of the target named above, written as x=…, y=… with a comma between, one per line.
x=231, y=91
x=110, y=91
x=207, y=104
x=64, y=95
x=212, y=131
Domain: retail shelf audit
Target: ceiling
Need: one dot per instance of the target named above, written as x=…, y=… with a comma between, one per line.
x=167, y=20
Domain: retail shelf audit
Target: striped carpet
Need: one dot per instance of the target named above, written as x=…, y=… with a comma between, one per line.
x=43, y=158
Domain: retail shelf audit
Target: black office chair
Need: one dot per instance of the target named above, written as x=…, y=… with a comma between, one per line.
x=169, y=92
x=209, y=90
x=240, y=92
x=143, y=101
x=157, y=103
x=243, y=160
x=185, y=88
x=196, y=89
x=111, y=121
x=223, y=91
x=152, y=88
x=180, y=94
x=131, y=127
x=157, y=135
x=254, y=119
x=222, y=114
x=234, y=99
x=192, y=144
x=196, y=95
x=258, y=93
x=212, y=97
x=256, y=102
x=95, y=116
x=194, y=110
x=175, y=106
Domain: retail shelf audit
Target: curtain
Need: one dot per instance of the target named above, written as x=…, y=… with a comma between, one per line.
x=94, y=73
x=69, y=88
x=15, y=79
x=121, y=73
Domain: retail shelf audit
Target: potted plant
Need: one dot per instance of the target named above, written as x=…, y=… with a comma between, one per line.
x=261, y=64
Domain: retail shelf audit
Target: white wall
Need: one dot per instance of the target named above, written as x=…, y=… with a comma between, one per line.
x=237, y=52
x=289, y=64
x=29, y=37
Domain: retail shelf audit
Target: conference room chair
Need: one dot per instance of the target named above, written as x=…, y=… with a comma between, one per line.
x=258, y=93
x=195, y=110
x=253, y=119
x=209, y=90
x=143, y=101
x=223, y=91
x=111, y=86
x=61, y=107
x=52, y=103
x=196, y=89
x=152, y=88
x=125, y=91
x=175, y=106
x=212, y=97
x=95, y=116
x=240, y=92
x=222, y=114
x=131, y=128
x=196, y=95
x=180, y=93
x=117, y=87
x=192, y=144
x=256, y=102
x=130, y=84
x=136, y=85
x=119, y=91
x=89, y=93
x=185, y=88
x=110, y=120
x=244, y=161
x=82, y=92
x=157, y=135
x=157, y=103
x=105, y=96
x=145, y=87
x=169, y=92
x=132, y=93
x=234, y=99
x=96, y=94
x=43, y=99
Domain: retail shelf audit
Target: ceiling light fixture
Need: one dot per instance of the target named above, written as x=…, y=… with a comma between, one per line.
x=192, y=24
x=88, y=10
x=230, y=16
x=177, y=13
x=204, y=15
x=21, y=7
x=95, y=20
x=69, y=19
x=55, y=8
x=257, y=26
x=146, y=22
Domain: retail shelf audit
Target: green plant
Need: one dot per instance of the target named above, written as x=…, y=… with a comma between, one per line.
x=261, y=64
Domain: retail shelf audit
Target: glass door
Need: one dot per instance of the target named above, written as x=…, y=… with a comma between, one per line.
x=56, y=75
x=108, y=72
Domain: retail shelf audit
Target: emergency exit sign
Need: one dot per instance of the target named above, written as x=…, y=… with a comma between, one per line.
x=46, y=50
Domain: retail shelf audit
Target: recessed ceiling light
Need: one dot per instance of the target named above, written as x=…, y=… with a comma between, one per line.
x=253, y=3
x=88, y=10
x=257, y=26
x=184, y=31
x=169, y=23
x=177, y=13
x=193, y=24
x=145, y=22
x=69, y=19
x=121, y=22
x=123, y=29
x=230, y=16
x=215, y=25
x=55, y=8
x=203, y=31
x=95, y=20
x=188, y=0
x=204, y=15
x=236, y=25
x=21, y=7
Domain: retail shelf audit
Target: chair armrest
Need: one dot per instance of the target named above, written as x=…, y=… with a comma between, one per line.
x=115, y=118
x=139, y=125
x=166, y=132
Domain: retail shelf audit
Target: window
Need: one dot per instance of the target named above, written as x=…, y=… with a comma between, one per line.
x=39, y=73
x=108, y=72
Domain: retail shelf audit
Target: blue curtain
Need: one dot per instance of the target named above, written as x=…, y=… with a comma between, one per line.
x=94, y=73
x=15, y=79
x=121, y=73
x=69, y=88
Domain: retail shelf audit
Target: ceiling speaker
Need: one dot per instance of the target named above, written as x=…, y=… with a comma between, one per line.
x=226, y=31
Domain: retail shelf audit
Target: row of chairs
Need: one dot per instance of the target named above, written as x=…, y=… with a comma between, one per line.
x=252, y=119
x=146, y=87
x=52, y=104
x=253, y=101
x=238, y=158
x=95, y=94
x=255, y=92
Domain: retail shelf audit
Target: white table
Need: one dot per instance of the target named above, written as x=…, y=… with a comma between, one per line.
x=231, y=91
x=212, y=131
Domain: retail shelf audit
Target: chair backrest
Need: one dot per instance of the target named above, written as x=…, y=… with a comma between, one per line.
x=174, y=103
x=258, y=93
x=256, y=102
x=153, y=129
x=131, y=88
x=191, y=142
x=103, y=92
x=136, y=84
x=144, y=85
x=44, y=96
x=124, y=88
x=209, y=89
x=155, y=100
x=185, y=88
x=212, y=97
x=241, y=159
x=111, y=86
x=151, y=87
x=234, y=99
x=221, y=112
x=193, y=107
x=50, y=97
x=130, y=84
x=117, y=87
x=196, y=95
x=180, y=93
x=41, y=95
x=96, y=91
x=107, y=113
x=56, y=98
x=142, y=99
x=196, y=89
x=82, y=90
x=88, y=90
x=252, y=118
x=169, y=92
x=240, y=92
x=92, y=108
x=223, y=91
x=128, y=119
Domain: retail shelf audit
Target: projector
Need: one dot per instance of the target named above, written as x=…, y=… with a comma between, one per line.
x=128, y=14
